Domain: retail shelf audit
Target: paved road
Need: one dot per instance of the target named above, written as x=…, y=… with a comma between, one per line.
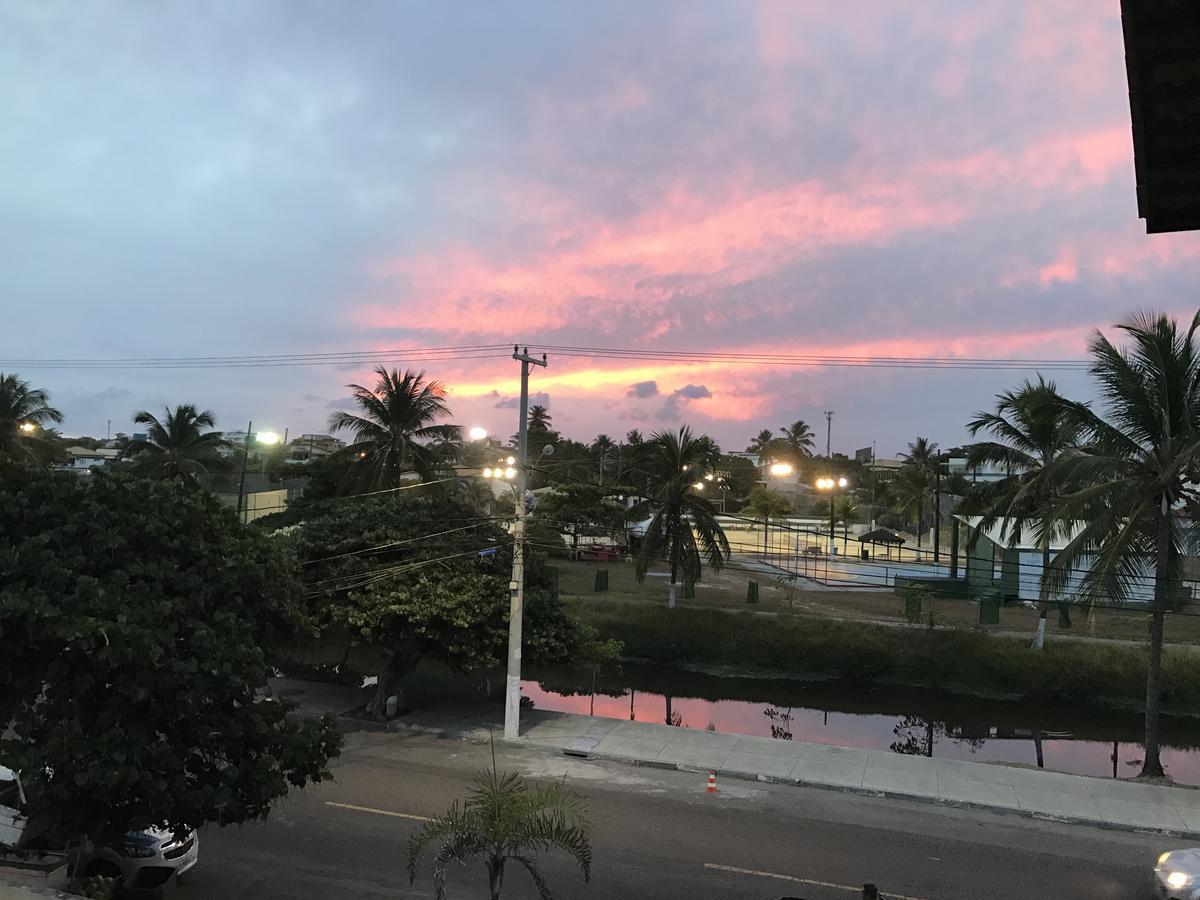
x=658, y=834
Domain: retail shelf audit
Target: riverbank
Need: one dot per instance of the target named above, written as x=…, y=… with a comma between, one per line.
x=960, y=661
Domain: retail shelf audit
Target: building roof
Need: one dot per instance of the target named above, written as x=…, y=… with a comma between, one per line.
x=881, y=536
x=1000, y=534
x=1162, y=63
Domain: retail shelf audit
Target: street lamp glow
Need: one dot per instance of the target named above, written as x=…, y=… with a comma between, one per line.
x=510, y=472
x=510, y=461
x=699, y=485
x=709, y=477
x=487, y=473
x=269, y=438
x=842, y=482
x=781, y=469
x=477, y=433
x=824, y=484
x=27, y=427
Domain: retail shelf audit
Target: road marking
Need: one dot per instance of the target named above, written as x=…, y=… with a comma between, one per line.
x=379, y=812
x=810, y=882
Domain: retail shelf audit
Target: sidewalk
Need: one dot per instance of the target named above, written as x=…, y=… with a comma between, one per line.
x=1104, y=802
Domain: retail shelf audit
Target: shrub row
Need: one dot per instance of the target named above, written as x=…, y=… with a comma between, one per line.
x=961, y=661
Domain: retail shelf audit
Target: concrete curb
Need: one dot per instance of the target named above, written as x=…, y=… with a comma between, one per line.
x=891, y=795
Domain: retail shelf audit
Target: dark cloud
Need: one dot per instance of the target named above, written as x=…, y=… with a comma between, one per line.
x=694, y=392
x=346, y=403
x=670, y=410
x=644, y=389
x=539, y=399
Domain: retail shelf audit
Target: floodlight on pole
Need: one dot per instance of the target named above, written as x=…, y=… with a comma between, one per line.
x=477, y=433
x=780, y=469
x=27, y=427
x=267, y=438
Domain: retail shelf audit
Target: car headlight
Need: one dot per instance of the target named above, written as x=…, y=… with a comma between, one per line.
x=133, y=851
x=1178, y=879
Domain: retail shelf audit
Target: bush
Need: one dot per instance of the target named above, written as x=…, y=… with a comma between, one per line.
x=966, y=662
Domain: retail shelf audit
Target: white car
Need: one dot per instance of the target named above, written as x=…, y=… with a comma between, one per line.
x=143, y=858
x=1177, y=875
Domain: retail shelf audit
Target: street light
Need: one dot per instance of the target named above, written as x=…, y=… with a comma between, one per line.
x=699, y=485
x=267, y=438
x=780, y=469
x=27, y=427
x=831, y=484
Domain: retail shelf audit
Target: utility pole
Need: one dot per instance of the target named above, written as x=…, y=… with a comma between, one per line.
x=829, y=458
x=245, y=459
x=512, y=696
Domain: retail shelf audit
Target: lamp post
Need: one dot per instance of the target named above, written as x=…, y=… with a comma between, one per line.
x=832, y=484
x=267, y=438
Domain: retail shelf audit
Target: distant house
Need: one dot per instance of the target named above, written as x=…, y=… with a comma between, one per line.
x=1001, y=567
x=81, y=460
x=959, y=466
x=313, y=446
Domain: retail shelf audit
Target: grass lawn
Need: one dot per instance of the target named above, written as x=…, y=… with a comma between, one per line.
x=727, y=590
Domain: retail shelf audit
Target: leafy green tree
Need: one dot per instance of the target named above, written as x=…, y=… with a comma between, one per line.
x=419, y=574
x=25, y=416
x=1028, y=438
x=396, y=430
x=581, y=509
x=735, y=477
x=1133, y=499
x=505, y=820
x=177, y=445
x=137, y=618
x=682, y=527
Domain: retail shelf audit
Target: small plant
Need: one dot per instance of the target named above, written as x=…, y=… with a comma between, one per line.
x=505, y=820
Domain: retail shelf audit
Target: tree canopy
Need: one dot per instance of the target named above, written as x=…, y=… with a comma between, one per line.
x=25, y=416
x=137, y=618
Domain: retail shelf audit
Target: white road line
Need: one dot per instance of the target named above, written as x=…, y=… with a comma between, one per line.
x=825, y=884
x=379, y=812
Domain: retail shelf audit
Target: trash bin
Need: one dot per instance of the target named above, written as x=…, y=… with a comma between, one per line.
x=866, y=554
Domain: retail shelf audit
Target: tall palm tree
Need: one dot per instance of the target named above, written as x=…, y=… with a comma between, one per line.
x=763, y=444
x=603, y=447
x=177, y=444
x=504, y=820
x=846, y=513
x=1028, y=439
x=395, y=429
x=634, y=438
x=763, y=503
x=799, y=438
x=683, y=528
x=25, y=413
x=916, y=480
x=539, y=418
x=1133, y=476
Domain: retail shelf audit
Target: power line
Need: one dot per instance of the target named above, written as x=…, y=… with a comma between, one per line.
x=501, y=351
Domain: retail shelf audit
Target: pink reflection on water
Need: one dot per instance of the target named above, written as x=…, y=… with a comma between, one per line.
x=870, y=732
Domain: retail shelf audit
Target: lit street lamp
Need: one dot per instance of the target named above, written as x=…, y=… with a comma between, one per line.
x=780, y=469
x=477, y=433
x=830, y=484
x=27, y=427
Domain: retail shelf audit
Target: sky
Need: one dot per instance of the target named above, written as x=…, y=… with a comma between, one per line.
x=844, y=178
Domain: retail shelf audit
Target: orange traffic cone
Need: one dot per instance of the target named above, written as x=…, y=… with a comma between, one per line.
x=712, y=782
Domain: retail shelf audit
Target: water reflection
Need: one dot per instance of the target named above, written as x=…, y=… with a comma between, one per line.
x=917, y=722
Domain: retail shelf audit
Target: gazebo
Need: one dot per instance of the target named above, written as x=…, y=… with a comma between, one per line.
x=882, y=536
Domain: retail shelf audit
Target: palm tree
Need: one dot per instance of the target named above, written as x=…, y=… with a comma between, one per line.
x=846, y=513
x=539, y=418
x=634, y=438
x=176, y=445
x=799, y=438
x=395, y=429
x=1135, y=472
x=1029, y=437
x=763, y=444
x=503, y=820
x=683, y=528
x=762, y=503
x=477, y=494
x=911, y=488
x=24, y=414
x=603, y=447
x=916, y=479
